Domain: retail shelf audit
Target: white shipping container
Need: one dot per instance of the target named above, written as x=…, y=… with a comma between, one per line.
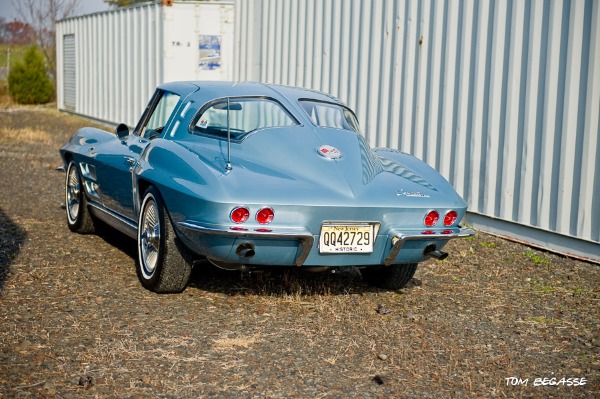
x=501, y=97
x=109, y=63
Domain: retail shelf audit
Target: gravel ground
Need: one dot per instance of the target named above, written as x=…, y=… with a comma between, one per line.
x=495, y=319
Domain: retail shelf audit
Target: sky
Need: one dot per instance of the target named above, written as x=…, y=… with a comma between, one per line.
x=85, y=7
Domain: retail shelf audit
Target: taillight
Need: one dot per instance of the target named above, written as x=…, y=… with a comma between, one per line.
x=431, y=218
x=265, y=216
x=239, y=214
x=450, y=218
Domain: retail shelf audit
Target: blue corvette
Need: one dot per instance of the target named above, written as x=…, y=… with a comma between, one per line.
x=248, y=175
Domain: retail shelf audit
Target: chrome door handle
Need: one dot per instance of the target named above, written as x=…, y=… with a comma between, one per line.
x=130, y=160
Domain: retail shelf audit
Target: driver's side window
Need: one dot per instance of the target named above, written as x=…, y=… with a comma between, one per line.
x=160, y=115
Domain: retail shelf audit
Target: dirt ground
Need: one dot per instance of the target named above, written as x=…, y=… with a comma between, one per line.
x=495, y=319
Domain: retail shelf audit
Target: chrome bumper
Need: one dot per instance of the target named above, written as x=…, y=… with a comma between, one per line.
x=400, y=238
x=304, y=237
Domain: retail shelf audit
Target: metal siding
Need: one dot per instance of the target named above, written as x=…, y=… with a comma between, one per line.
x=120, y=57
x=501, y=97
x=116, y=70
x=588, y=222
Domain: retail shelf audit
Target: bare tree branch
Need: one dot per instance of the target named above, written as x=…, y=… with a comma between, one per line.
x=42, y=16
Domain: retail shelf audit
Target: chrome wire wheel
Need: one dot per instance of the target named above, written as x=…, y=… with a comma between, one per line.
x=72, y=194
x=161, y=266
x=149, y=238
x=79, y=218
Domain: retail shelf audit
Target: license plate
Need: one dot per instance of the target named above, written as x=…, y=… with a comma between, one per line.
x=346, y=238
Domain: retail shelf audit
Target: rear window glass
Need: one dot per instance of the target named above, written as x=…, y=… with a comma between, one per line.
x=332, y=115
x=246, y=115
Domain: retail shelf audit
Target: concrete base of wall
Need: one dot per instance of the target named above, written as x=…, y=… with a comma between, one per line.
x=565, y=245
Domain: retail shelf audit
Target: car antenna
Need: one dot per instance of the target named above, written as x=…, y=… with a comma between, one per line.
x=228, y=140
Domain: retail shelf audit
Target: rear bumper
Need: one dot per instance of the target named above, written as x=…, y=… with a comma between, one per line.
x=304, y=238
x=400, y=238
x=296, y=246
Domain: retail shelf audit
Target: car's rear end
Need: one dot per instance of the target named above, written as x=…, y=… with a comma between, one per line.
x=294, y=207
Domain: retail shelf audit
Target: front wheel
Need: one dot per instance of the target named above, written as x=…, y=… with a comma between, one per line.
x=79, y=219
x=163, y=263
x=391, y=277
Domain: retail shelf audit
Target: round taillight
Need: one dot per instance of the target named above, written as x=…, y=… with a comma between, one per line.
x=431, y=218
x=450, y=218
x=265, y=216
x=239, y=214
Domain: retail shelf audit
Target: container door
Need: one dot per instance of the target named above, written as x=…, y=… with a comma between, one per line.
x=69, y=73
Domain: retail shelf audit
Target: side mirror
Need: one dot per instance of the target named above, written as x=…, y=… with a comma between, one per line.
x=122, y=131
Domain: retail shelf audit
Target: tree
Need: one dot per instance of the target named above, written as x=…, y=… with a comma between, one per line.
x=42, y=15
x=28, y=81
x=16, y=33
x=123, y=3
x=127, y=3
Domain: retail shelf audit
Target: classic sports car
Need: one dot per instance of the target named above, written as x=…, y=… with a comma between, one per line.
x=249, y=175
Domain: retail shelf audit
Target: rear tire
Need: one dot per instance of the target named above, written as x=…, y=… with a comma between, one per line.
x=391, y=277
x=164, y=264
x=79, y=219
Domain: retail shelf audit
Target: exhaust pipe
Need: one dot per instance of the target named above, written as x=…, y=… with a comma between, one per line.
x=245, y=250
x=432, y=251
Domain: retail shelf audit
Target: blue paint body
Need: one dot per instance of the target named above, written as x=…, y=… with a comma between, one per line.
x=278, y=167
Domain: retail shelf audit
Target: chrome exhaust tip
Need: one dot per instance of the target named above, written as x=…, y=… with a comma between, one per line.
x=245, y=250
x=432, y=251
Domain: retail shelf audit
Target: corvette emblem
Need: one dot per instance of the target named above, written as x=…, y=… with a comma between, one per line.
x=417, y=194
x=329, y=152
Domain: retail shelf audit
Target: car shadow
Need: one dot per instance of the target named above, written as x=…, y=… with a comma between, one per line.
x=278, y=281
x=115, y=238
x=11, y=240
x=272, y=281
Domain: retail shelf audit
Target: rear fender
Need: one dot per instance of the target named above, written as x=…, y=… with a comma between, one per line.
x=179, y=174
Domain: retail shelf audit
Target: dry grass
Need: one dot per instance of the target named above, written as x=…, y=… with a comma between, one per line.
x=5, y=99
x=24, y=136
x=235, y=343
x=72, y=311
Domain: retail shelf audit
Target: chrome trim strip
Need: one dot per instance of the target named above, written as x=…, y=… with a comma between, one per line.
x=399, y=239
x=305, y=238
x=114, y=220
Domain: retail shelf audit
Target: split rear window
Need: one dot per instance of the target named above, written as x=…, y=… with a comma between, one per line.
x=325, y=114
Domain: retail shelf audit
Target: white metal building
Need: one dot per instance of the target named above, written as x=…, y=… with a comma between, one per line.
x=502, y=97
x=109, y=63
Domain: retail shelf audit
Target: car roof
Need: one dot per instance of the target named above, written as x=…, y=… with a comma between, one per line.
x=207, y=90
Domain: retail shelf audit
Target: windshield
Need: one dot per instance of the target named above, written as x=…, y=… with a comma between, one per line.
x=246, y=115
x=333, y=115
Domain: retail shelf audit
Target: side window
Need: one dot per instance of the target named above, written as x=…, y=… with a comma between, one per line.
x=246, y=115
x=159, y=116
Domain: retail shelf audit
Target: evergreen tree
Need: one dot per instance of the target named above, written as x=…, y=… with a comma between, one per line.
x=28, y=81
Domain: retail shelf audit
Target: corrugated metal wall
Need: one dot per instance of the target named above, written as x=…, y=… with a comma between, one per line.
x=120, y=56
x=502, y=97
x=118, y=61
